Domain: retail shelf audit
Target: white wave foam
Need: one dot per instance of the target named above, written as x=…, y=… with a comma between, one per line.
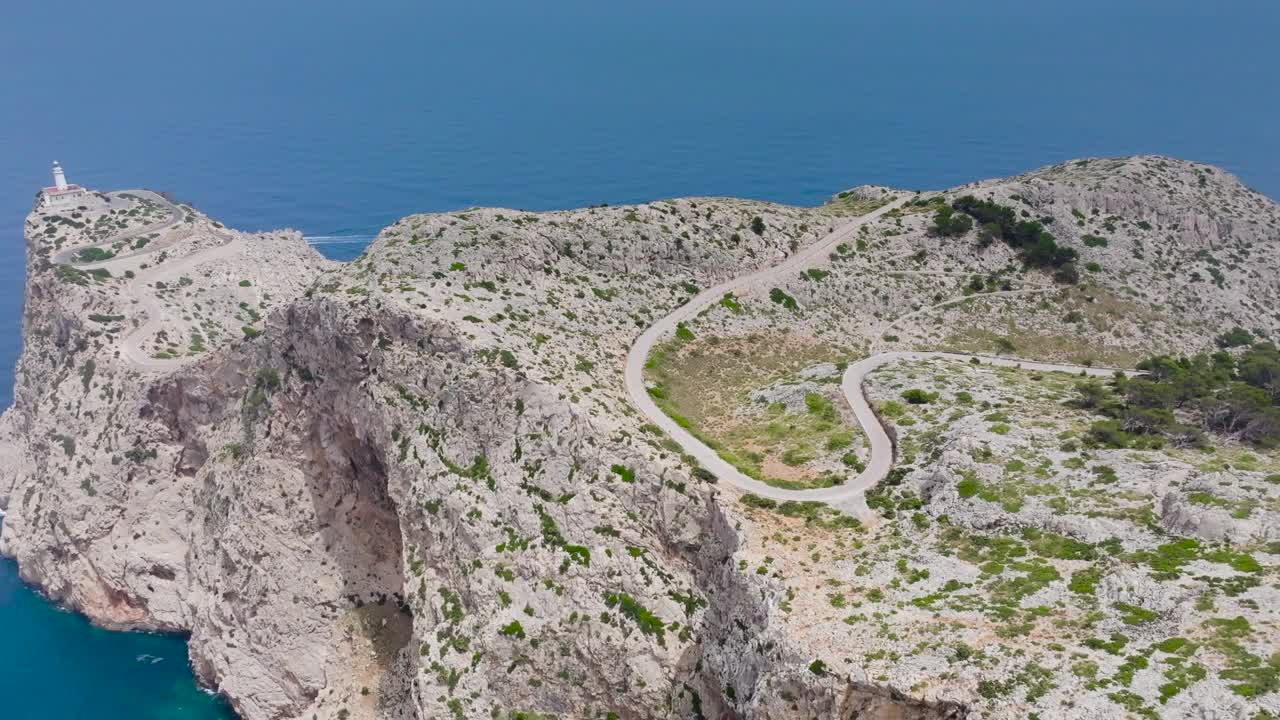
x=338, y=239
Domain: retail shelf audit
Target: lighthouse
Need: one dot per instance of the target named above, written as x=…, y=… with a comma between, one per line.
x=62, y=194
x=59, y=177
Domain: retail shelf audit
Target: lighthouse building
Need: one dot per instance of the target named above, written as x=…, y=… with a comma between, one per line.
x=62, y=194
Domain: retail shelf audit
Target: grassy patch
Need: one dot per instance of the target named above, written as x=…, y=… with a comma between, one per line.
x=704, y=384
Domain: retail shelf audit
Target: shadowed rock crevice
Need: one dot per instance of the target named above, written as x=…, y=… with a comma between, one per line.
x=748, y=668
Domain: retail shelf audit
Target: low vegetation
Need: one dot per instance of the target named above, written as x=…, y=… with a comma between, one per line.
x=1036, y=246
x=707, y=384
x=1179, y=400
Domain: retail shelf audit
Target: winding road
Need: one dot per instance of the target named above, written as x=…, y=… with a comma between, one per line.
x=851, y=496
x=176, y=216
x=145, y=299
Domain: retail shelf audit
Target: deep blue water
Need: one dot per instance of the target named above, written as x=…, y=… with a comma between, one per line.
x=337, y=117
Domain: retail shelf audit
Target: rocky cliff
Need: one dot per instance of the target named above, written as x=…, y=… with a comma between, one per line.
x=411, y=486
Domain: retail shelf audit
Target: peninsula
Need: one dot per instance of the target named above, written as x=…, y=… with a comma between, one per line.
x=1006, y=450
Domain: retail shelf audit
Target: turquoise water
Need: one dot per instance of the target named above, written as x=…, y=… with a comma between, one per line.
x=337, y=117
x=54, y=664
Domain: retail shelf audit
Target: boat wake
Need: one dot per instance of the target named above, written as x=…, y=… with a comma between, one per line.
x=339, y=239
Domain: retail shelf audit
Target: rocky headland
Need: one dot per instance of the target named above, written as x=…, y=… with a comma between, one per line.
x=416, y=485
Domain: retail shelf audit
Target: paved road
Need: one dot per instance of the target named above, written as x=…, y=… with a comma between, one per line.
x=881, y=446
x=849, y=497
x=761, y=280
x=155, y=311
x=176, y=216
x=137, y=288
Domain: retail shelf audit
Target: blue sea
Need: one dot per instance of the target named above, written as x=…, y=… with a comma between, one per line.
x=336, y=118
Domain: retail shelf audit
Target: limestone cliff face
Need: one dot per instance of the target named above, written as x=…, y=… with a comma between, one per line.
x=413, y=488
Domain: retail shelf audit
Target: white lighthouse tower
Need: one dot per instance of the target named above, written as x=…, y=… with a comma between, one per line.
x=59, y=177
x=62, y=194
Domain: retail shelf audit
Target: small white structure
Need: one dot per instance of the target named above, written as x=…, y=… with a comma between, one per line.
x=62, y=194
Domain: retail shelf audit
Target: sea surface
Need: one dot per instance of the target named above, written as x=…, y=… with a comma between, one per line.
x=336, y=118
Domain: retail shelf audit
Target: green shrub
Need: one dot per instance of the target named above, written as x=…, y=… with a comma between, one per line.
x=93, y=254
x=1108, y=434
x=916, y=396
x=1113, y=646
x=1134, y=615
x=1105, y=473
x=267, y=379
x=1035, y=246
x=1173, y=645
x=852, y=461
x=648, y=623
x=1085, y=582
x=71, y=275
x=783, y=299
x=1235, y=337
x=578, y=553
x=819, y=406
x=755, y=501
x=68, y=444
x=806, y=509
x=946, y=223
